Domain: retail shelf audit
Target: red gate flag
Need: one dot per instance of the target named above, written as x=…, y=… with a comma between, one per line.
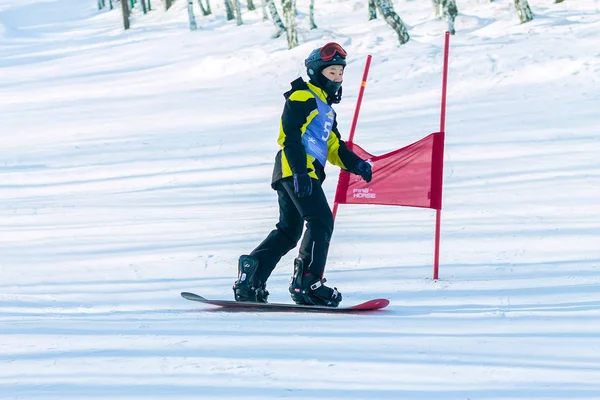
x=410, y=176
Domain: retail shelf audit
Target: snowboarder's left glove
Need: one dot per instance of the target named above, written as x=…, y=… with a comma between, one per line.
x=302, y=184
x=363, y=169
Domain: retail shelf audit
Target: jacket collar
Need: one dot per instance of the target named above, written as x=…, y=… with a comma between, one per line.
x=299, y=84
x=318, y=91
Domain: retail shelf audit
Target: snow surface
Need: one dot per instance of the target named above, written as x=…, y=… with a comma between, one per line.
x=136, y=165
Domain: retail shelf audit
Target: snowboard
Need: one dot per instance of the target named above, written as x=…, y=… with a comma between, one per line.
x=230, y=305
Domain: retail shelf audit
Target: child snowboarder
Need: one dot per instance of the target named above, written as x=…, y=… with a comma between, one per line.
x=308, y=138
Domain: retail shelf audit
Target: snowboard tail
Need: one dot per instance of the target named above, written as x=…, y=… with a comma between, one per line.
x=371, y=305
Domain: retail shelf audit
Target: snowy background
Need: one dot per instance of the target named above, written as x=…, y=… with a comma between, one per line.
x=135, y=165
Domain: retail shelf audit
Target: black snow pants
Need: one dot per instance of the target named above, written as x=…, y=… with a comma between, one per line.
x=293, y=211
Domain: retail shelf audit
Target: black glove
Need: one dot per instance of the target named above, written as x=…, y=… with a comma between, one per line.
x=363, y=169
x=302, y=184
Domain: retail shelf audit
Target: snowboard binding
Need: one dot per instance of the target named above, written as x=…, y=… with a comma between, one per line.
x=307, y=289
x=247, y=287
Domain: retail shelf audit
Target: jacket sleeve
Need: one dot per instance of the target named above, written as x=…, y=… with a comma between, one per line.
x=338, y=153
x=293, y=120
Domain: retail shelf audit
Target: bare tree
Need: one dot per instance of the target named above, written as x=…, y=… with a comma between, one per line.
x=238, y=12
x=276, y=19
x=446, y=9
x=394, y=21
x=523, y=10
x=372, y=10
x=311, y=15
x=229, y=10
x=191, y=15
x=437, y=5
x=263, y=6
x=102, y=4
x=205, y=10
x=289, y=13
x=125, y=9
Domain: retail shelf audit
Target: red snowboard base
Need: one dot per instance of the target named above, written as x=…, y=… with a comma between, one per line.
x=370, y=305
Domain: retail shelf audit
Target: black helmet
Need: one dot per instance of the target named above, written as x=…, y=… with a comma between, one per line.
x=330, y=54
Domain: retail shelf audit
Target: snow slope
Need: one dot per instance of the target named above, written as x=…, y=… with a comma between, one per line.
x=136, y=165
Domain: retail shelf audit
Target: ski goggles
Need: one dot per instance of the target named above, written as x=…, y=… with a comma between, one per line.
x=329, y=51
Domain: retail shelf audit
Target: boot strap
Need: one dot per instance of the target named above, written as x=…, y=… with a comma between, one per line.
x=317, y=284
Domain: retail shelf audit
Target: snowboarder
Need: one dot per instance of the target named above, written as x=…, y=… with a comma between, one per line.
x=308, y=137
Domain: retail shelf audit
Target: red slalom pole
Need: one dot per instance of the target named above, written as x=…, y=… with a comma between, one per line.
x=438, y=211
x=361, y=92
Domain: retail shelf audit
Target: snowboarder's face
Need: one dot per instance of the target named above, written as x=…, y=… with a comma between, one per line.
x=334, y=73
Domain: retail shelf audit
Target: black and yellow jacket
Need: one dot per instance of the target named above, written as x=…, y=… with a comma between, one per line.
x=299, y=110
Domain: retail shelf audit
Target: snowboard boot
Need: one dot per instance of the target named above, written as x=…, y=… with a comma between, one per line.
x=247, y=287
x=307, y=289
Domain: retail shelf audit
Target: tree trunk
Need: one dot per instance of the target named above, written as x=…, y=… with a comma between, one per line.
x=191, y=15
x=276, y=19
x=289, y=13
x=202, y=9
x=149, y=5
x=110, y=5
x=437, y=5
x=450, y=11
x=251, y=6
x=525, y=14
x=238, y=12
x=312, y=15
x=167, y=4
x=125, y=9
x=144, y=9
x=372, y=10
x=394, y=21
x=229, y=10
x=447, y=10
x=205, y=10
x=263, y=6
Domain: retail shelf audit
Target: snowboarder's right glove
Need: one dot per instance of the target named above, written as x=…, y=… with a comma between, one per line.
x=363, y=169
x=302, y=184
